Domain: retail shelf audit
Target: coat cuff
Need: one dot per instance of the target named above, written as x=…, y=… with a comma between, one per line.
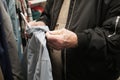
x=83, y=40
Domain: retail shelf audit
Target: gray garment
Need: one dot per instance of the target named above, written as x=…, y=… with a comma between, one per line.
x=39, y=64
x=5, y=5
x=15, y=24
x=12, y=45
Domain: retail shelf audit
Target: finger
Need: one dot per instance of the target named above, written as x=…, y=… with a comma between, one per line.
x=32, y=23
x=57, y=32
x=54, y=38
x=54, y=46
x=40, y=23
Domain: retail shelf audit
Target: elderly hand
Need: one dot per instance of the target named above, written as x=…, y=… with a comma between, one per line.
x=39, y=23
x=34, y=24
x=62, y=38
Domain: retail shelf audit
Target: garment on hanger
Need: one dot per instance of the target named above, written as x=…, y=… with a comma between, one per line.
x=1, y=74
x=39, y=64
x=12, y=45
x=4, y=56
x=15, y=24
x=22, y=7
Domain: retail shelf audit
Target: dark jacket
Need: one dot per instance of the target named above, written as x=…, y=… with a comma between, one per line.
x=97, y=56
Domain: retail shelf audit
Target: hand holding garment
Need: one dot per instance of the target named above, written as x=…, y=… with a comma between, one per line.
x=39, y=23
x=62, y=38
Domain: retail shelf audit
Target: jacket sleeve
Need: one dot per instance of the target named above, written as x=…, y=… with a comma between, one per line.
x=98, y=42
x=99, y=36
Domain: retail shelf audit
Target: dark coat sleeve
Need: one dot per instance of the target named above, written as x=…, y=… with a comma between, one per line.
x=97, y=40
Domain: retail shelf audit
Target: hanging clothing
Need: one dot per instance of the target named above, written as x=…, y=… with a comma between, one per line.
x=4, y=56
x=12, y=45
x=1, y=74
x=39, y=64
x=5, y=5
x=15, y=24
x=22, y=7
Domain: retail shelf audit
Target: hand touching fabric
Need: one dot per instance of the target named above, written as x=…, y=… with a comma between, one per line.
x=39, y=23
x=62, y=38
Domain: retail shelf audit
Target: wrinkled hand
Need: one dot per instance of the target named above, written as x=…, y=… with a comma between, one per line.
x=62, y=38
x=34, y=24
x=39, y=23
